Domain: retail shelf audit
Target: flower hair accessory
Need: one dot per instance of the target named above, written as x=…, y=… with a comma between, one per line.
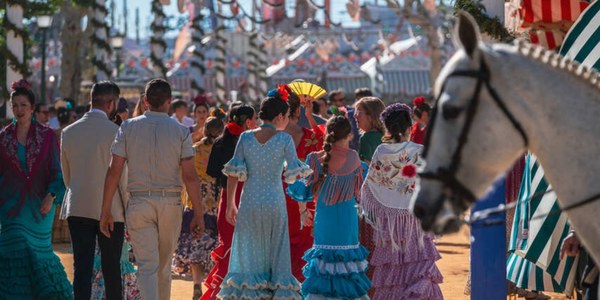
x=419, y=100
x=23, y=84
x=282, y=92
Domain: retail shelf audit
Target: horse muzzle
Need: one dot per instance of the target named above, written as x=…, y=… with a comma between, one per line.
x=439, y=216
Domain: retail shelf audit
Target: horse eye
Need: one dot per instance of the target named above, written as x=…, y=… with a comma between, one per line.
x=450, y=111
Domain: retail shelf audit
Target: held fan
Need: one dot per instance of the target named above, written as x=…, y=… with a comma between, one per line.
x=308, y=89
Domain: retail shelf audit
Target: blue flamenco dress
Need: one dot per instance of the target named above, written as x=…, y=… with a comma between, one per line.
x=260, y=265
x=29, y=269
x=336, y=264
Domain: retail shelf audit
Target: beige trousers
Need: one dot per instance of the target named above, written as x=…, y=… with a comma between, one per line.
x=154, y=225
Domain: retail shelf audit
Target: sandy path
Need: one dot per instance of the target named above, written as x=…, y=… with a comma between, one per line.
x=454, y=265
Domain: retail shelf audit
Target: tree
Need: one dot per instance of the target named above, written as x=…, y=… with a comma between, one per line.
x=75, y=41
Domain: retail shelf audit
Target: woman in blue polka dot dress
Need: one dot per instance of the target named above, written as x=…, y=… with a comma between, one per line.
x=260, y=265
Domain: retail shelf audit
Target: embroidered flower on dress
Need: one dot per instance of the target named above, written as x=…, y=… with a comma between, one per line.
x=409, y=171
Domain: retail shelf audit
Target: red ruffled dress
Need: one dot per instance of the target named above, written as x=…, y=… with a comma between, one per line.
x=417, y=133
x=301, y=238
x=221, y=153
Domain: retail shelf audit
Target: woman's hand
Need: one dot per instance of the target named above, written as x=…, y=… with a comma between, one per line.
x=231, y=214
x=47, y=204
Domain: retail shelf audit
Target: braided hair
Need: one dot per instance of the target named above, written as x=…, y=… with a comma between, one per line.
x=396, y=119
x=338, y=128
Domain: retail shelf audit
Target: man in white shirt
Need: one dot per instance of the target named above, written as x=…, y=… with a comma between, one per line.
x=180, y=113
x=85, y=157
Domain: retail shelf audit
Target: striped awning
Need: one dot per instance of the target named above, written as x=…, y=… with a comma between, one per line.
x=545, y=21
x=582, y=43
x=406, y=82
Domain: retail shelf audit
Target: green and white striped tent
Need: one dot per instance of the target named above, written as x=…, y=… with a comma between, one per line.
x=582, y=43
x=535, y=241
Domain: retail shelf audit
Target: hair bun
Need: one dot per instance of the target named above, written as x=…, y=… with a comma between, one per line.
x=21, y=84
x=419, y=100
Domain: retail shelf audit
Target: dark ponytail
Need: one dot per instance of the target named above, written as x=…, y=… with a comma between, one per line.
x=338, y=128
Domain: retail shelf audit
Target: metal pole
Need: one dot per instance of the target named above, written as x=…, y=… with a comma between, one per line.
x=43, y=77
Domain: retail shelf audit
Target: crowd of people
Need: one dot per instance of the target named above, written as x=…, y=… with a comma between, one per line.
x=299, y=198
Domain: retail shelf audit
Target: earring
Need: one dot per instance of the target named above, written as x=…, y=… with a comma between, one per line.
x=14, y=120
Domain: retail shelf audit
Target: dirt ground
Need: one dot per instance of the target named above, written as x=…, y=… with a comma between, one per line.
x=454, y=265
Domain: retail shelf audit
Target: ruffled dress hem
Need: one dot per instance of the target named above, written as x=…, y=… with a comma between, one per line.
x=336, y=273
x=260, y=286
x=28, y=275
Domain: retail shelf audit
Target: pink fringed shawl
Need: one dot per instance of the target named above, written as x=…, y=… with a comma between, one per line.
x=343, y=179
x=42, y=160
x=387, y=190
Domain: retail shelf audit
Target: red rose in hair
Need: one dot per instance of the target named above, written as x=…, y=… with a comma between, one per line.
x=409, y=171
x=418, y=101
x=282, y=90
x=20, y=84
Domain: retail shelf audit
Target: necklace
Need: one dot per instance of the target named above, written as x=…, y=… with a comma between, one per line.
x=268, y=125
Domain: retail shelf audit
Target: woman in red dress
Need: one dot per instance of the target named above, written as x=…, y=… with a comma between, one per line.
x=306, y=141
x=421, y=112
x=241, y=118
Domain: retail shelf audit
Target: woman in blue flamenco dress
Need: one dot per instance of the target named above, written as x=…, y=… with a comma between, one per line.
x=31, y=186
x=336, y=264
x=260, y=264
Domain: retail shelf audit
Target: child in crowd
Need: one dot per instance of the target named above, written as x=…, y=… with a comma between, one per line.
x=336, y=263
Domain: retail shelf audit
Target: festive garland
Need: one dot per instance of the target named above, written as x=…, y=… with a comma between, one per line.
x=197, y=55
x=220, y=64
x=157, y=40
x=11, y=58
x=100, y=44
x=492, y=26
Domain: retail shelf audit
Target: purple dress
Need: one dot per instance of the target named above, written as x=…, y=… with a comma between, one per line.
x=404, y=256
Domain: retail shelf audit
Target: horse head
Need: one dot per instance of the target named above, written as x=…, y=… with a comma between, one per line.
x=472, y=136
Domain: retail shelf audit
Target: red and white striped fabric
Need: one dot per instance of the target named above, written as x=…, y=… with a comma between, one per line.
x=546, y=22
x=551, y=11
x=548, y=39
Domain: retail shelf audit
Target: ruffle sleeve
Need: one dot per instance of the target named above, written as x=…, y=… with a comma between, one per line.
x=295, y=169
x=301, y=190
x=236, y=166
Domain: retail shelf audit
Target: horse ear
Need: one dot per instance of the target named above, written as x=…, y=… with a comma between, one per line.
x=468, y=32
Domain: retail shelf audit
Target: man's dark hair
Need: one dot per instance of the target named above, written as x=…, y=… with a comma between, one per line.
x=178, y=104
x=362, y=92
x=157, y=91
x=38, y=107
x=334, y=94
x=103, y=90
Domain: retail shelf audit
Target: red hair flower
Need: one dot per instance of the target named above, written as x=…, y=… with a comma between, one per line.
x=20, y=84
x=419, y=100
x=409, y=171
x=283, y=92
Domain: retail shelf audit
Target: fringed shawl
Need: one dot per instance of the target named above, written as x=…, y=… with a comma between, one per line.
x=387, y=190
x=43, y=174
x=342, y=181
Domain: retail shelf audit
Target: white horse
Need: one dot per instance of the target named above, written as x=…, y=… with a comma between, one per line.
x=494, y=103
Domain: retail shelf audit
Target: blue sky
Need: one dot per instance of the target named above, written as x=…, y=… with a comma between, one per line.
x=338, y=12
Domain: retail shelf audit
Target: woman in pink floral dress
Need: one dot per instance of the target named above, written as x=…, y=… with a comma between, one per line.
x=404, y=256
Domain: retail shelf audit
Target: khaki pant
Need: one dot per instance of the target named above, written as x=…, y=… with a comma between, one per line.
x=154, y=225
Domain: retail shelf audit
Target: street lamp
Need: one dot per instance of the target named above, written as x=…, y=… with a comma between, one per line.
x=44, y=23
x=117, y=43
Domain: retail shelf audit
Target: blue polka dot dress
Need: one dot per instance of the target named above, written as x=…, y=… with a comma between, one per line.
x=260, y=265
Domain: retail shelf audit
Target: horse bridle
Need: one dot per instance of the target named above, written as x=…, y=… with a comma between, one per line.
x=447, y=175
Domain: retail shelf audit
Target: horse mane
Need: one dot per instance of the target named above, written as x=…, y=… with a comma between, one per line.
x=557, y=61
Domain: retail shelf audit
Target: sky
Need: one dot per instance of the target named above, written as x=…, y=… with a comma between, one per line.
x=338, y=12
